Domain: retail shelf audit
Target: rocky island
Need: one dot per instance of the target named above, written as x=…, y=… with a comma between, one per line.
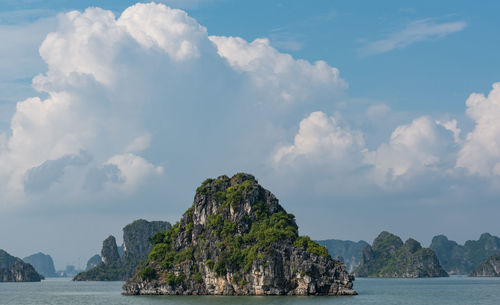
x=236, y=239
x=136, y=246
x=13, y=269
x=42, y=263
x=463, y=259
x=390, y=257
x=489, y=268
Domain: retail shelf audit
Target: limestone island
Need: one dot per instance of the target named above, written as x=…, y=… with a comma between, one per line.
x=489, y=268
x=389, y=257
x=13, y=269
x=113, y=266
x=236, y=239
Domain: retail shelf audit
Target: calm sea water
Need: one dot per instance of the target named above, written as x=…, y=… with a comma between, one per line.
x=442, y=291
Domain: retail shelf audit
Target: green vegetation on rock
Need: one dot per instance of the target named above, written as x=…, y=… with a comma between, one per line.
x=389, y=257
x=13, y=269
x=138, y=238
x=489, y=268
x=234, y=230
x=458, y=259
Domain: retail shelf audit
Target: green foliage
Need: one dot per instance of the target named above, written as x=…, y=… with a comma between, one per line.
x=147, y=273
x=214, y=221
x=202, y=189
x=198, y=278
x=220, y=266
x=311, y=246
x=173, y=279
x=235, y=250
x=210, y=264
x=157, y=238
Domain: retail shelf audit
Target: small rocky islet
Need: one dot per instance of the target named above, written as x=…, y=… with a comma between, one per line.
x=388, y=256
x=13, y=269
x=489, y=268
x=110, y=265
x=236, y=239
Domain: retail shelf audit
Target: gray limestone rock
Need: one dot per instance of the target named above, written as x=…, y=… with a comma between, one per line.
x=236, y=239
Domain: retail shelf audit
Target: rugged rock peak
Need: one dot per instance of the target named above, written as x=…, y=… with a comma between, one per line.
x=13, y=269
x=136, y=236
x=109, y=252
x=412, y=245
x=387, y=242
x=450, y=254
x=458, y=259
x=93, y=262
x=116, y=267
x=389, y=257
x=237, y=240
x=489, y=268
x=42, y=263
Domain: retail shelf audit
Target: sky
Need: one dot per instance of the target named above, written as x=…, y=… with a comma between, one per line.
x=359, y=116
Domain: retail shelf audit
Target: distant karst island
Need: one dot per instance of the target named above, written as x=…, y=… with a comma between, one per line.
x=13, y=269
x=111, y=266
x=236, y=239
x=463, y=259
x=388, y=256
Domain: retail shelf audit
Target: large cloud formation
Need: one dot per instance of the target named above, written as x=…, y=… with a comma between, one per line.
x=126, y=100
x=152, y=77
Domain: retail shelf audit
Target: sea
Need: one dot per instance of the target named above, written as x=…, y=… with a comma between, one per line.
x=455, y=290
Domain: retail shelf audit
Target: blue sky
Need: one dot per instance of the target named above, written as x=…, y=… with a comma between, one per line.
x=376, y=135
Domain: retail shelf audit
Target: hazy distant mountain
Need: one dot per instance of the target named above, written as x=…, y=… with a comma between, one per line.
x=349, y=252
x=136, y=247
x=458, y=259
x=42, y=263
x=389, y=257
x=13, y=269
x=93, y=262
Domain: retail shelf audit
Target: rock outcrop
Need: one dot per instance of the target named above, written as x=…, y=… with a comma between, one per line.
x=389, y=257
x=349, y=252
x=42, y=263
x=489, y=268
x=94, y=261
x=109, y=252
x=458, y=259
x=13, y=269
x=136, y=246
x=236, y=239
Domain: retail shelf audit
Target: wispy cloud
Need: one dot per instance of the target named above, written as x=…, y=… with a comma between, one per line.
x=419, y=30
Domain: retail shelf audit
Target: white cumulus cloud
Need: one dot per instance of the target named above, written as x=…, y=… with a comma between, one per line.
x=480, y=153
x=320, y=139
x=148, y=87
x=417, y=146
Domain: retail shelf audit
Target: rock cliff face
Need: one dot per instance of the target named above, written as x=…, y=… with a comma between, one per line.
x=458, y=259
x=13, y=269
x=109, y=252
x=237, y=240
x=42, y=263
x=389, y=257
x=114, y=267
x=489, y=268
x=349, y=252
